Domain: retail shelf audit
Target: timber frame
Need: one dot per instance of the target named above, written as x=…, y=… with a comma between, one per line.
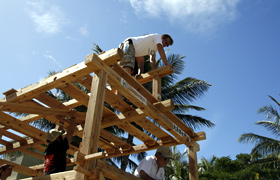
x=96, y=73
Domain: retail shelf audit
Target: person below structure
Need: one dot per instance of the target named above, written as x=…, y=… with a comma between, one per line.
x=135, y=48
x=152, y=167
x=55, y=153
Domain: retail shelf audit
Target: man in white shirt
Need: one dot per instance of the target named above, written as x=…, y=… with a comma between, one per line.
x=135, y=48
x=152, y=167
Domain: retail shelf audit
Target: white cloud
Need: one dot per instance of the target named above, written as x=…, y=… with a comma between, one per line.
x=123, y=18
x=195, y=15
x=53, y=60
x=83, y=31
x=47, y=19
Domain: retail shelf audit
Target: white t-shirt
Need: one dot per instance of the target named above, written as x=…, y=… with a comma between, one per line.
x=146, y=45
x=149, y=165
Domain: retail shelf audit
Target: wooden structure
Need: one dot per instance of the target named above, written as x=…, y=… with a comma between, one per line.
x=95, y=74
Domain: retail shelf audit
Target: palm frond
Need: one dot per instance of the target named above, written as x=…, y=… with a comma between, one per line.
x=96, y=48
x=270, y=112
x=274, y=100
x=253, y=138
x=186, y=90
x=267, y=148
x=195, y=122
x=180, y=108
x=270, y=126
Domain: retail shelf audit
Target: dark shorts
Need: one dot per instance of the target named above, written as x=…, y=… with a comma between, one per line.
x=129, y=54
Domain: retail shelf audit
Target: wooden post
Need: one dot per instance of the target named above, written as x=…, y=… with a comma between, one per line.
x=193, y=163
x=93, y=120
x=157, y=87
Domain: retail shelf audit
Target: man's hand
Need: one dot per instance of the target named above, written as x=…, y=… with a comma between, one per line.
x=72, y=113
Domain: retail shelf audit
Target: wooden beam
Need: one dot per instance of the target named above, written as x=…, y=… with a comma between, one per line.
x=114, y=172
x=69, y=175
x=162, y=71
x=21, y=169
x=67, y=75
x=193, y=169
x=93, y=119
x=75, y=93
x=18, y=147
x=199, y=136
x=22, y=108
x=15, y=124
x=115, y=81
x=157, y=87
x=50, y=101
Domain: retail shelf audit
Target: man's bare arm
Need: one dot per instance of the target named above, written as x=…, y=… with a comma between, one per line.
x=162, y=53
x=145, y=176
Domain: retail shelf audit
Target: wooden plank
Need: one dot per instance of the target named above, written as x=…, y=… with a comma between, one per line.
x=162, y=71
x=30, y=118
x=21, y=169
x=110, y=137
x=109, y=148
x=116, y=101
x=111, y=98
x=134, y=131
x=26, y=129
x=6, y=143
x=10, y=93
x=199, y=136
x=133, y=150
x=34, y=154
x=193, y=169
x=133, y=114
x=66, y=175
x=12, y=136
x=70, y=74
x=13, y=123
x=86, y=81
x=75, y=93
x=125, y=89
x=157, y=87
x=149, y=97
x=93, y=119
x=152, y=128
x=22, y=108
x=18, y=147
x=119, y=119
x=115, y=173
x=50, y=101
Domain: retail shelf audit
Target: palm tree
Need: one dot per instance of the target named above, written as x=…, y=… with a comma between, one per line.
x=178, y=167
x=205, y=165
x=266, y=147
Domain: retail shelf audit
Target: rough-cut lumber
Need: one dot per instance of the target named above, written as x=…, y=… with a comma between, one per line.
x=157, y=87
x=113, y=172
x=21, y=169
x=116, y=81
x=21, y=108
x=70, y=74
x=147, y=113
x=69, y=175
x=193, y=169
x=162, y=71
x=93, y=119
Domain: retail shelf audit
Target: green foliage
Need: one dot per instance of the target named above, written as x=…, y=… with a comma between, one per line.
x=178, y=167
x=267, y=149
x=242, y=168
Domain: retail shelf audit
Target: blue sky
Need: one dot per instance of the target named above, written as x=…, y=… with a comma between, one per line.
x=232, y=44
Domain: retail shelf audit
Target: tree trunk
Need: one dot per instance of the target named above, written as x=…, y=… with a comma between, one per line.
x=125, y=158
